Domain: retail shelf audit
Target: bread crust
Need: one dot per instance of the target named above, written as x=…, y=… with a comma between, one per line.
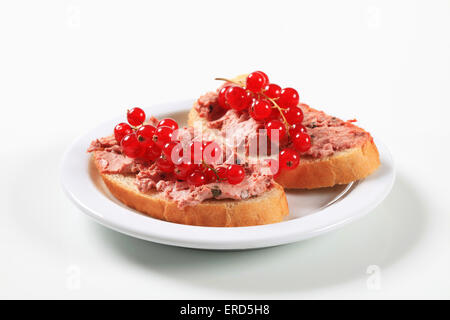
x=341, y=168
x=270, y=207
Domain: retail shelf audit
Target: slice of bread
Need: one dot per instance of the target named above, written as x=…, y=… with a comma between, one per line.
x=341, y=168
x=269, y=207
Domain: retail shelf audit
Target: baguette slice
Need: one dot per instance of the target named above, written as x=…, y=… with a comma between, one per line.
x=341, y=168
x=270, y=207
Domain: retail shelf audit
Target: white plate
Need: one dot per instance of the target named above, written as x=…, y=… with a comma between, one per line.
x=311, y=212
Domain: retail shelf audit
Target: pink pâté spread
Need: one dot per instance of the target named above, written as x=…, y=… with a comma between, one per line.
x=108, y=154
x=328, y=134
x=254, y=184
x=238, y=124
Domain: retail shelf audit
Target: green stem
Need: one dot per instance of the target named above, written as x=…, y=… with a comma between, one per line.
x=212, y=168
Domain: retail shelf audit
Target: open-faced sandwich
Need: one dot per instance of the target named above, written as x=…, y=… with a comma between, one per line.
x=170, y=174
x=246, y=142
x=317, y=150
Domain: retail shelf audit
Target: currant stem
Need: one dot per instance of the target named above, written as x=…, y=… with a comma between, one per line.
x=212, y=168
x=286, y=123
x=228, y=80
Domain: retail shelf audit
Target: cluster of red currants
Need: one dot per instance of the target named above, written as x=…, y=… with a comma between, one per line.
x=277, y=107
x=197, y=166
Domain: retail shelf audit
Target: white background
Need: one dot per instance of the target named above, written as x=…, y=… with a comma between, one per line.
x=66, y=66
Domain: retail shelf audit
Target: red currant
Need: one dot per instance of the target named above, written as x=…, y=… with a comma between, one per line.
x=272, y=127
x=164, y=164
x=182, y=170
x=196, y=178
x=222, y=173
x=289, y=159
x=151, y=152
x=162, y=136
x=221, y=98
x=121, y=130
x=293, y=115
x=210, y=175
x=212, y=153
x=145, y=134
x=235, y=97
x=235, y=173
x=136, y=116
x=248, y=100
x=275, y=114
x=272, y=90
x=260, y=109
x=255, y=82
x=173, y=151
x=296, y=127
x=288, y=98
x=131, y=146
x=264, y=75
x=301, y=141
x=168, y=122
x=196, y=149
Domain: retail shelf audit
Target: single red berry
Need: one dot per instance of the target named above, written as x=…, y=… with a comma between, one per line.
x=162, y=136
x=260, y=109
x=196, y=178
x=210, y=175
x=288, y=98
x=235, y=97
x=121, y=130
x=296, y=127
x=151, y=152
x=164, y=164
x=131, y=146
x=275, y=114
x=166, y=150
x=145, y=134
x=182, y=170
x=301, y=141
x=248, y=100
x=264, y=75
x=221, y=98
x=293, y=115
x=212, y=152
x=168, y=122
x=222, y=173
x=272, y=90
x=288, y=159
x=235, y=173
x=173, y=151
x=196, y=150
x=255, y=82
x=274, y=126
x=136, y=116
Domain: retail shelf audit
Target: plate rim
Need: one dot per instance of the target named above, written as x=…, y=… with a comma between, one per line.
x=147, y=228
